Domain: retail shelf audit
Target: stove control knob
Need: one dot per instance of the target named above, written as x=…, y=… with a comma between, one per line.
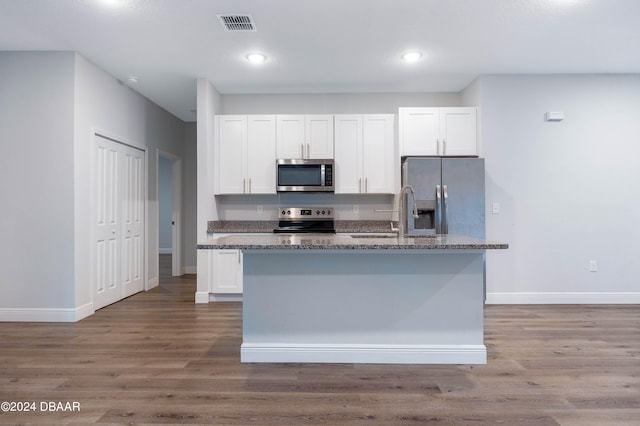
x=289, y=212
x=283, y=212
x=317, y=211
x=322, y=211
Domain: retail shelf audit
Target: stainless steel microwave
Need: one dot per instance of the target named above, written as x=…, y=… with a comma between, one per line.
x=304, y=175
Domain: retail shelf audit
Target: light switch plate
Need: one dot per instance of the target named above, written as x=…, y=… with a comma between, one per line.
x=495, y=208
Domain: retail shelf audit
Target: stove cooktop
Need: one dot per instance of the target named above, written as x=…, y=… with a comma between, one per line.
x=305, y=220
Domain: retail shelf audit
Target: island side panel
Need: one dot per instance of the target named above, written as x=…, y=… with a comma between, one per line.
x=363, y=306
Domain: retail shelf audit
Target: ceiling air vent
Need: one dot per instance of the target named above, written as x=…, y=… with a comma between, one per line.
x=237, y=22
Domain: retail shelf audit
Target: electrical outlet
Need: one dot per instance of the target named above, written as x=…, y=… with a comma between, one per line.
x=496, y=208
x=356, y=209
x=593, y=266
x=259, y=209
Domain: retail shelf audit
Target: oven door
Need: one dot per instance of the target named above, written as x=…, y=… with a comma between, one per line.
x=304, y=175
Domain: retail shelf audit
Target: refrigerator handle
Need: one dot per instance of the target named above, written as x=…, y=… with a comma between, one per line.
x=445, y=211
x=438, y=213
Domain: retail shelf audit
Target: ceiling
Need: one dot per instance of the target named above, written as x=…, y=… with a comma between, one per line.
x=327, y=46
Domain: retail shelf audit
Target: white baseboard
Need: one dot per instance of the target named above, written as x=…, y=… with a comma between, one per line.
x=368, y=354
x=152, y=283
x=84, y=311
x=46, y=314
x=563, y=298
x=223, y=297
x=202, y=297
x=165, y=251
x=190, y=269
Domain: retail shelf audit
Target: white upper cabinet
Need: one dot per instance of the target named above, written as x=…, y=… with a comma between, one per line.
x=365, y=154
x=261, y=158
x=458, y=130
x=245, y=148
x=304, y=136
x=319, y=136
x=438, y=131
x=290, y=136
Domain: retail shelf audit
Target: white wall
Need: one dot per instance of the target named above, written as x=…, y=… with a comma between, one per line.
x=333, y=103
x=165, y=205
x=36, y=184
x=50, y=104
x=104, y=103
x=569, y=191
x=209, y=104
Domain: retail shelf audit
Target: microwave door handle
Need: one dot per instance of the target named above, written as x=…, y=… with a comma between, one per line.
x=438, y=213
x=445, y=212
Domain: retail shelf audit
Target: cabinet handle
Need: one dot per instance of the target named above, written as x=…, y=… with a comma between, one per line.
x=244, y=186
x=360, y=185
x=444, y=146
x=239, y=258
x=366, y=185
x=249, y=185
x=438, y=146
x=308, y=150
x=302, y=149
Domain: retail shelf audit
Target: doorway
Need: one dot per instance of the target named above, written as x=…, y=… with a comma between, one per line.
x=118, y=219
x=169, y=178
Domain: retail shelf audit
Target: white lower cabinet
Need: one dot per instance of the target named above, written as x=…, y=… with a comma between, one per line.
x=226, y=271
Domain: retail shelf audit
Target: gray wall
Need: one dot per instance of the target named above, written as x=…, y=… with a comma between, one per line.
x=51, y=104
x=190, y=197
x=568, y=190
x=333, y=103
x=165, y=205
x=36, y=180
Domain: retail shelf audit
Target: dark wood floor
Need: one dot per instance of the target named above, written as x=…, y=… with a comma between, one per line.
x=158, y=358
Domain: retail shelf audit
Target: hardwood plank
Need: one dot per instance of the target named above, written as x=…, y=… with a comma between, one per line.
x=157, y=358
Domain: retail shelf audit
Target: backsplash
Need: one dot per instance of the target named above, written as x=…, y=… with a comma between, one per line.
x=265, y=207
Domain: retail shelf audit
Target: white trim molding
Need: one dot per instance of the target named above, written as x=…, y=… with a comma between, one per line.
x=152, y=283
x=202, y=297
x=552, y=298
x=46, y=314
x=373, y=354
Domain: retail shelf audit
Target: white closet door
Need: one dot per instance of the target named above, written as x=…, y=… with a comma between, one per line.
x=132, y=221
x=118, y=221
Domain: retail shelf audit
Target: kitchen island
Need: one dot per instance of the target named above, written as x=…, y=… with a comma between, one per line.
x=361, y=298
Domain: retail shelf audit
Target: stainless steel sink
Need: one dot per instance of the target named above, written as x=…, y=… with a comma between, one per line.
x=392, y=236
x=375, y=236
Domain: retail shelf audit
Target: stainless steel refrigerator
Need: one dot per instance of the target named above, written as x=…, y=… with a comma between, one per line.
x=449, y=195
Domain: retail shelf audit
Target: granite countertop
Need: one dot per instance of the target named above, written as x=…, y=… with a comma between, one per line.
x=267, y=226
x=347, y=242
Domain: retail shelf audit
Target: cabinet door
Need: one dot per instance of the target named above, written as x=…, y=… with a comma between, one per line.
x=348, y=154
x=226, y=271
x=379, y=154
x=231, y=141
x=261, y=154
x=458, y=131
x=290, y=138
x=419, y=131
x=319, y=136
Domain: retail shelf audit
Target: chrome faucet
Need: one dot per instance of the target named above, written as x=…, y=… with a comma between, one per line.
x=402, y=208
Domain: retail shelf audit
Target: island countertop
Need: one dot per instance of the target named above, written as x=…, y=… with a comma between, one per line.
x=349, y=242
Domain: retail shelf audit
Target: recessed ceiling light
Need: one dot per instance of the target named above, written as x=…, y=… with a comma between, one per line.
x=256, y=58
x=132, y=80
x=411, y=56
